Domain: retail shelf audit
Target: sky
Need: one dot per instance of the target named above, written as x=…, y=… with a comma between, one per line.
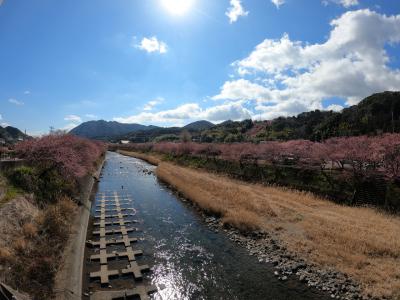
x=171, y=62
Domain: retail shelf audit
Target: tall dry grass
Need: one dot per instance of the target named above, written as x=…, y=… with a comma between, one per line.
x=361, y=242
x=150, y=158
x=33, y=251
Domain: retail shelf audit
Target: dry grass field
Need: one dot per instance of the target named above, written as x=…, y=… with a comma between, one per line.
x=152, y=159
x=361, y=242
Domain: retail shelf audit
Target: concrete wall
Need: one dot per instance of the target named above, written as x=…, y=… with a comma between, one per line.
x=68, y=282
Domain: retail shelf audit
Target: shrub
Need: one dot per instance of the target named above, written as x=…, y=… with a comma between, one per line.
x=56, y=162
x=24, y=177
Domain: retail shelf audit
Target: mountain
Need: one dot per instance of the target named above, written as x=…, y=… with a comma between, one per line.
x=378, y=113
x=375, y=114
x=198, y=125
x=11, y=134
x=159, y=134
x=111, y=130
x=106, y=129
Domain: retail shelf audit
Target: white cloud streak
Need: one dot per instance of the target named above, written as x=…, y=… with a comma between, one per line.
x=190, y=112
x=294, y=76
x=152, y=44
x=344, y=3
x=73, y=118
x=278, y=3
x=15, y=102
x=235, y=11
x=152, y=104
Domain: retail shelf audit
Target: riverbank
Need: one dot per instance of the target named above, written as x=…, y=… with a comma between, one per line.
x=150, y=158
x=68, y=281
x=346, y=250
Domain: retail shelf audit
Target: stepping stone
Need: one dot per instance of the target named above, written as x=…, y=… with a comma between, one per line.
x=130, y=253
x=120, y=222
x=104, y=274
x=126, y=241
x=112, y=204
x=103, y=242
x=120, y=216
x=101, y=211
x=136, y=270
x=102, y=223
x=123, y=230
x=102, y=232
x=140, y=292
x=103, y=256
x=118, y=209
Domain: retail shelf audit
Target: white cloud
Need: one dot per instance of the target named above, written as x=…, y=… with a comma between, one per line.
x=190, y=112
x=278, y=3
x=15, y=101
x=69, y=126
x=228, y=111
x=243, y=89
x=344, y=3
x=152, y=44
x=153, y=103
x=4, y=124
x=235, y=11
x=27, y=92
x=294, y=76
x=1, y=117
x=183, y=112
x=73, y=118
x=335, y=107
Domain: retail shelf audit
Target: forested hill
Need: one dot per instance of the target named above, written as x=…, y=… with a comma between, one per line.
x=11, y=134
x=375, y=114
x=106, y=129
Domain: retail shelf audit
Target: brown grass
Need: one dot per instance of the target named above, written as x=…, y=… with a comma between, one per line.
x=361, y=242
x=32, y=251
x=150, y=158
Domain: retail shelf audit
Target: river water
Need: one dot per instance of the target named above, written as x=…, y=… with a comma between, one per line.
x=187, y=259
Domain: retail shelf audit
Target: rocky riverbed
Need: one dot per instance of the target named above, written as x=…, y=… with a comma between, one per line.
x=270, y=251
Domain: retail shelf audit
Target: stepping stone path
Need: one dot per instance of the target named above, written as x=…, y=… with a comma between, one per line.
x=141, y=291
x=110, y=207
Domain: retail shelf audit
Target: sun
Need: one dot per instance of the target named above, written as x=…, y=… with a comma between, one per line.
x=177, y=7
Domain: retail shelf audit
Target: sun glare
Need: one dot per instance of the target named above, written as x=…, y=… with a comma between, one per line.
x=177, y=7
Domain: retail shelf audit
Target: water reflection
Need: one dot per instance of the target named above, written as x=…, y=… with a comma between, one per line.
x=188, y=259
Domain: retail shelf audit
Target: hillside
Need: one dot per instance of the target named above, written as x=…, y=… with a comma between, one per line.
x=198, y=126
x=11, y=134
x=375, y=114
x=106, y=129
x=378, y=113
x=115, y=131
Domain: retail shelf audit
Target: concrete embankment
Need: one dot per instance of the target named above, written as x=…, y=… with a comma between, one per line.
x=68, y=282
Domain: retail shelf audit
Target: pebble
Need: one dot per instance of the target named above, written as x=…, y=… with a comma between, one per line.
x=266, y=249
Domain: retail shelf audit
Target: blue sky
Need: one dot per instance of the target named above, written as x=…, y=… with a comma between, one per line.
x=65, y=62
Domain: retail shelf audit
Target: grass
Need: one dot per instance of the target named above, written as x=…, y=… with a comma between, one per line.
x=34, y=254
x=361, y=242
x=9, y=191
x=150, y=158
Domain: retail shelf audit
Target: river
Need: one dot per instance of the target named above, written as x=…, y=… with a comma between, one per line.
x=187, y=259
